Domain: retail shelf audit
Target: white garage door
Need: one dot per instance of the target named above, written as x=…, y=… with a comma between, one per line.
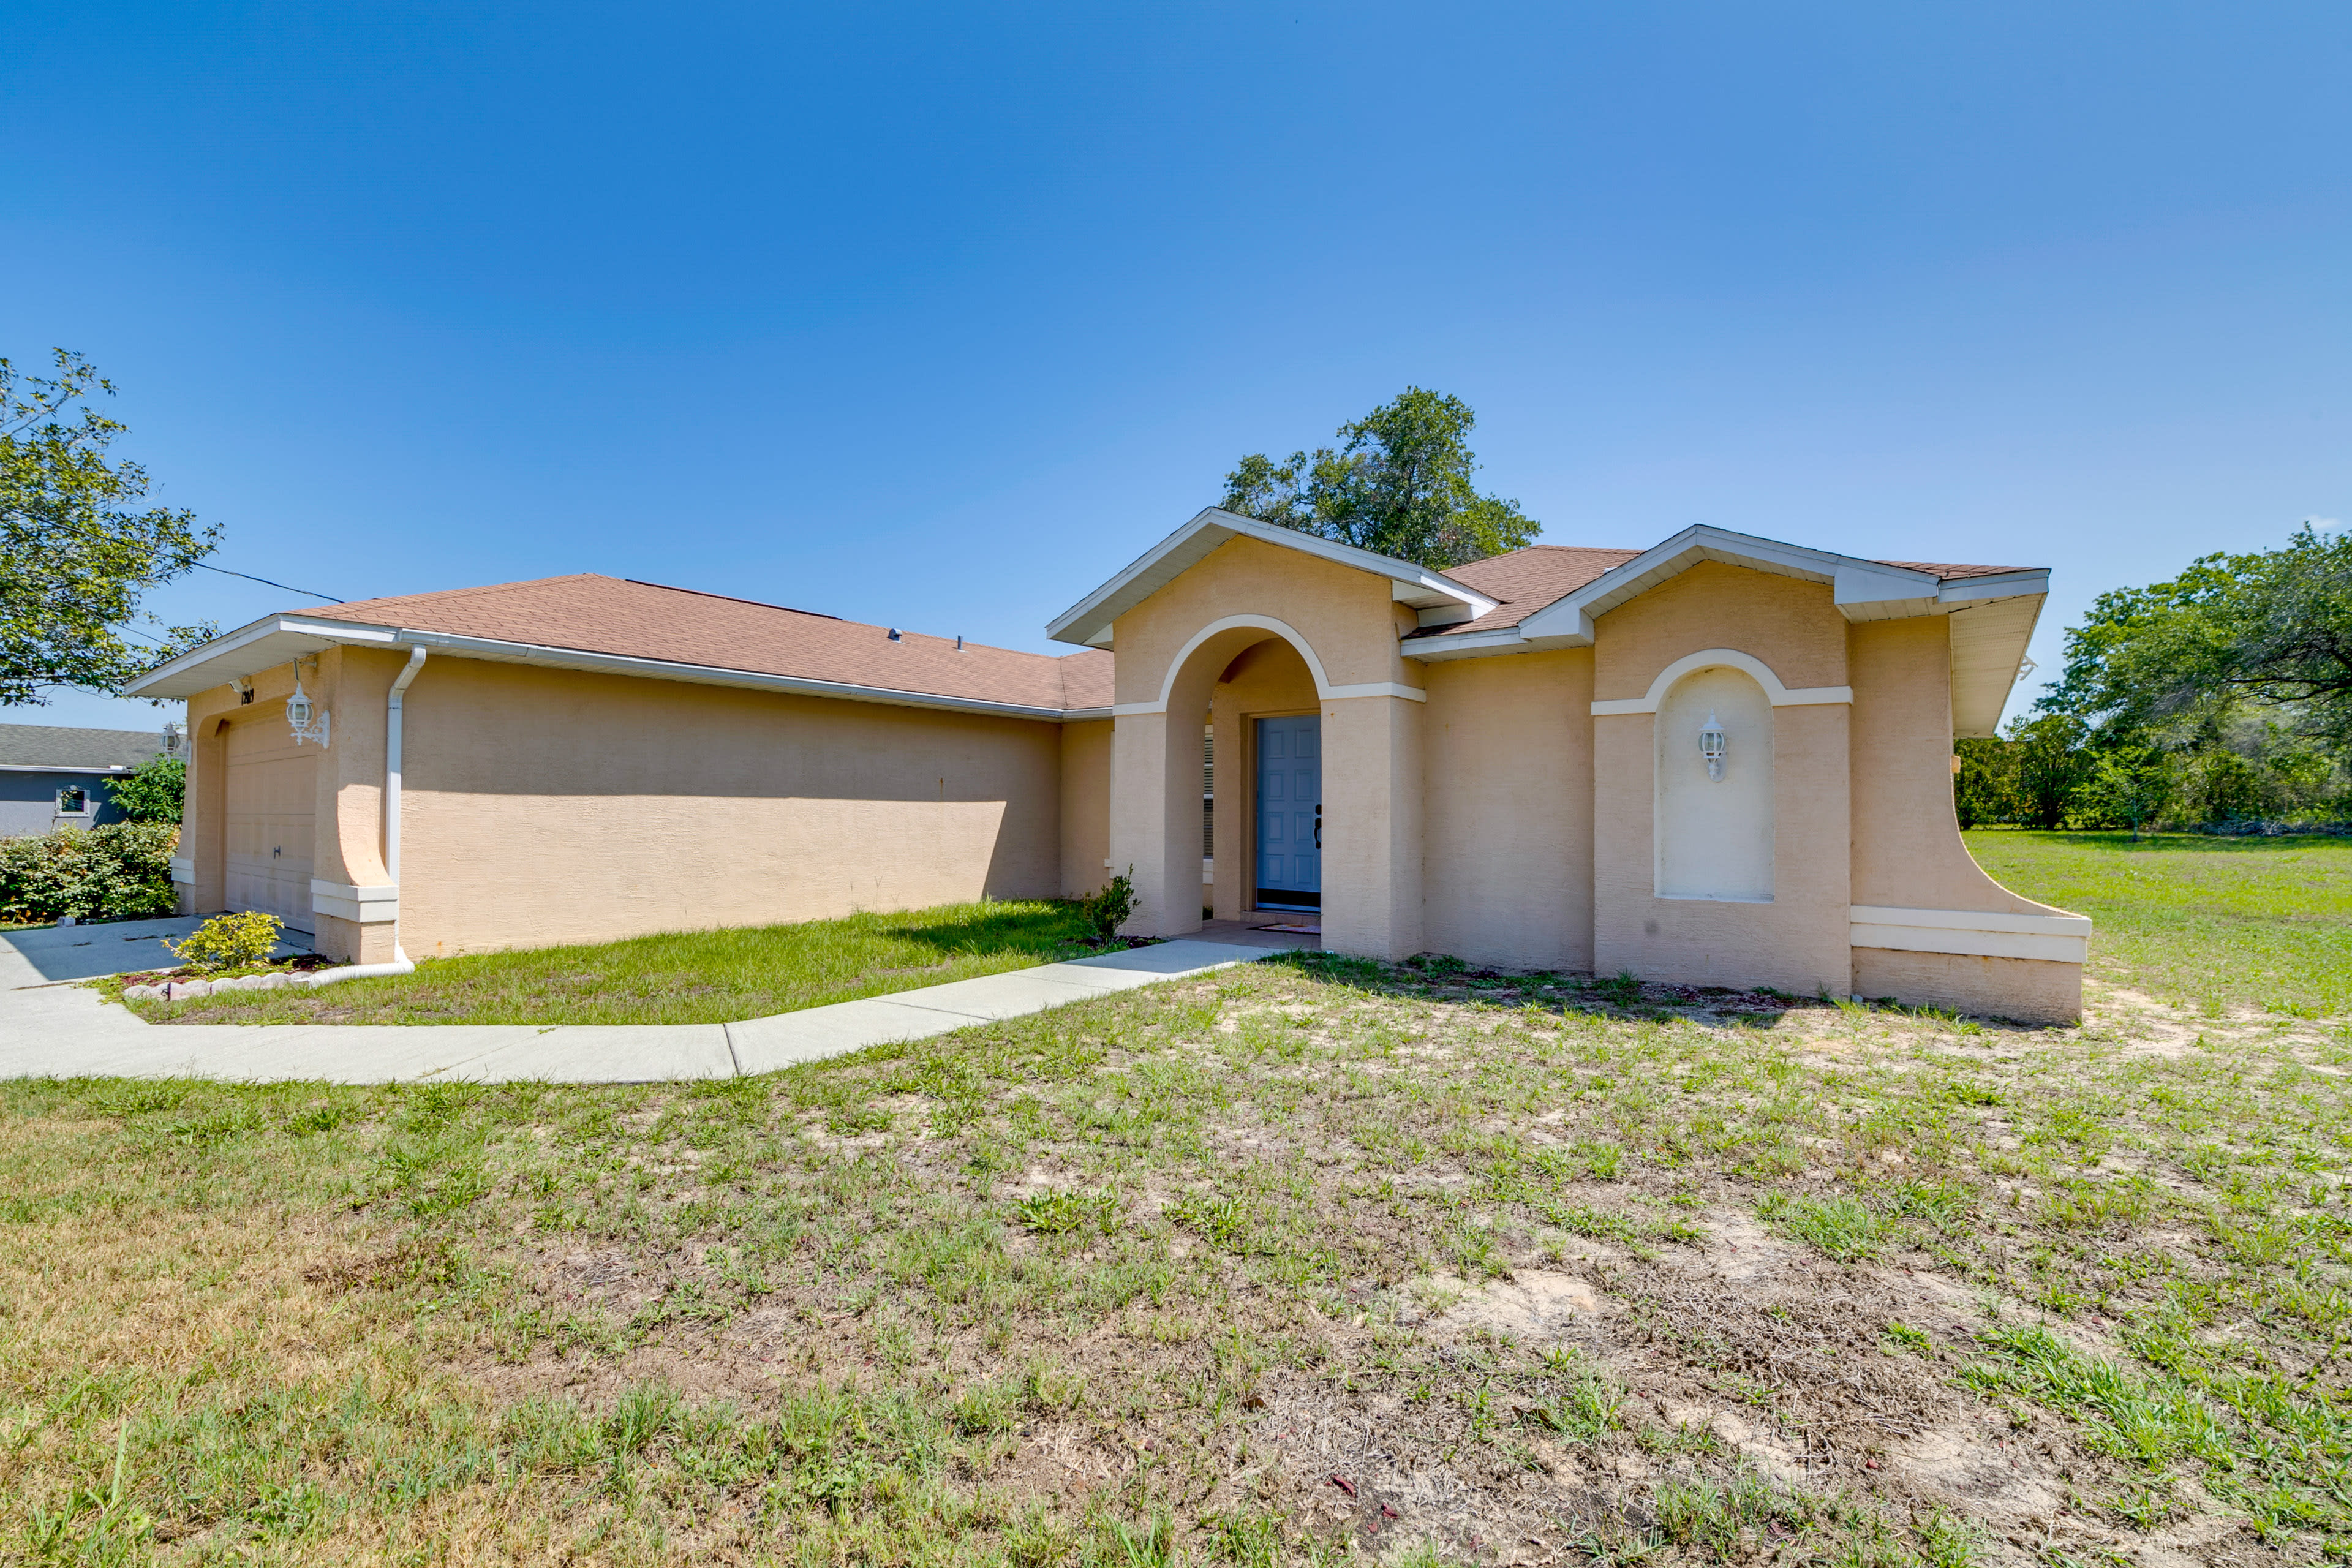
x=271, y=800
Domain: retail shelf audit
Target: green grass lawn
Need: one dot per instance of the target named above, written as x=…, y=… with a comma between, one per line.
x=678, y=977
x=2212, y=923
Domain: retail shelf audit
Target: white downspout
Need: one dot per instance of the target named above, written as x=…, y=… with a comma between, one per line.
x=400, y=963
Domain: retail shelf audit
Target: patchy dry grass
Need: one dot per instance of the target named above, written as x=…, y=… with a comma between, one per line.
x=1313, y=1260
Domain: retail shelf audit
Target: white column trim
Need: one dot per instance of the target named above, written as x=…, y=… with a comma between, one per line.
x=377, y=905
x=2055, y=938
x=1746, y=663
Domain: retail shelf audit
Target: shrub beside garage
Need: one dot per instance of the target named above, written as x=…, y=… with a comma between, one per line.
x=119, y=871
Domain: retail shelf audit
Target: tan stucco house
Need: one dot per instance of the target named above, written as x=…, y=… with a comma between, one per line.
x=1723, y=760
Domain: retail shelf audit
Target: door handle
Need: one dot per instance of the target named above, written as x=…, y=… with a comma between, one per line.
x=1319, y=825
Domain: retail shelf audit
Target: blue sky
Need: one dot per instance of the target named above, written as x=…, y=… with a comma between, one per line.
x=936, y=316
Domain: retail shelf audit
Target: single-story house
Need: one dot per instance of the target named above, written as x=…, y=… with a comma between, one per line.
x=55, y=776
x=1722, y=760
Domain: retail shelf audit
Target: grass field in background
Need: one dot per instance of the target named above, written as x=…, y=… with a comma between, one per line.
x=2209, y=923
x=678, y=977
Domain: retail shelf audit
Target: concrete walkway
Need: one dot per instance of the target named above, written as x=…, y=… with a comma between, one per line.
x=52, y=1028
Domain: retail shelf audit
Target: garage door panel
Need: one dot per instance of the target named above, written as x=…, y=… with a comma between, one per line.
x=271, y=821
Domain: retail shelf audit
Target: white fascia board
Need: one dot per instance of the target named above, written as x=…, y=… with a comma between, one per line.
x=2005, y=585
x=1868, y=591
x=1473, y=644
x=65, y=768
x=1088, y=622
x=498, y=651
x=250, y=649
x=1079, y=715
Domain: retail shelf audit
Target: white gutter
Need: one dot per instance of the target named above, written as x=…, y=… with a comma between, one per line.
x=401, y=963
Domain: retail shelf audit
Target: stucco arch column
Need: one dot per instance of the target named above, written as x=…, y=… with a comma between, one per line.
x=1155, y=798
x=1371, y=826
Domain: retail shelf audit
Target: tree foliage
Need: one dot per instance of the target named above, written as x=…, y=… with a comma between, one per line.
x=77, y=547
x=2221, y=697
x=2172, y=661
x=153, y=793
x=1398, y=484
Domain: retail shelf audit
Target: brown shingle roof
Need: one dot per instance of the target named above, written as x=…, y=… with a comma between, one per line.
x=596, y=614
x=1525, y=581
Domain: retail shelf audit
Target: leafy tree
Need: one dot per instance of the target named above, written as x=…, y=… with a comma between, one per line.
x=2052, y=765
x=1986, y=788
x=1398, y=484
x=153, y=793
x=2169, y=662
x=77, y=550
x=2127, y=785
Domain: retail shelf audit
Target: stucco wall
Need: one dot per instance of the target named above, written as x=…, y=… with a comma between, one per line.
x=1506, y=868
x=2031, y=991
x=1800, y=940
x=1907, y=850
x=1085, y=807
x=1347, y=617
x=548, y=806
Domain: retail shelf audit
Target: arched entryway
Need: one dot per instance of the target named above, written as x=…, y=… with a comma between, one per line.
x=1257, y=686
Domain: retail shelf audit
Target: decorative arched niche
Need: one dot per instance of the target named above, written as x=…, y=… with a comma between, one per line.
x=1714, y=835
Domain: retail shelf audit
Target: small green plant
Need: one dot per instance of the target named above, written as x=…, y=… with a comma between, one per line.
x=1843, y=1227
x=1901, y=1337
x=1052, y=1214
x=1109, y=910
x=1623, y=990
x=228, y=941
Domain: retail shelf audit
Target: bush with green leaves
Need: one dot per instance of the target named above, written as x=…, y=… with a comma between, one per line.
x=1107, y=911
x=153, y=793
x=119, y=871
x=229, y=942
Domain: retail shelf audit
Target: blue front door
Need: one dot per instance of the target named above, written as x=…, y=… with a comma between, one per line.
x=1290, y=812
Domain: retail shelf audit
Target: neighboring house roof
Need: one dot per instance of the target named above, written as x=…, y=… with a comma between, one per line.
x=61, y=748
x=594, y=621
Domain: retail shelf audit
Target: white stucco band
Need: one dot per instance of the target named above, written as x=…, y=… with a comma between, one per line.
x=377, y=905
x=2062, y=939
x=182, y=869
x=1781, y=696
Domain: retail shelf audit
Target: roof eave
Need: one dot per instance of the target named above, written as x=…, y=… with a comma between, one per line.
x=1088, y=622
x=270, y=641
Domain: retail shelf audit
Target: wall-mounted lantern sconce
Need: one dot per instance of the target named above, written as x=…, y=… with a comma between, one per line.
x=304, y=717
x=1711, y=747
x=175, y=740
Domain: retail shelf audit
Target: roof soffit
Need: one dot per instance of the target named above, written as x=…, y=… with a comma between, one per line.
x=1088, y=622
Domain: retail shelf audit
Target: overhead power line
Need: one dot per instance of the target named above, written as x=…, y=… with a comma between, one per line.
x=289, y=588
